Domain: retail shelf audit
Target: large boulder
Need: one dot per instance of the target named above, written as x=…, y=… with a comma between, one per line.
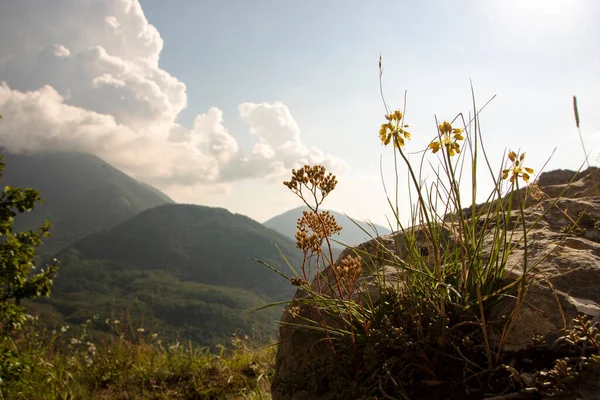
x=567, y=263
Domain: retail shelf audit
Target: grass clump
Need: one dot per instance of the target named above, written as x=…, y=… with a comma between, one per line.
x=414, y=320
x=585, y=226
x=74, y=364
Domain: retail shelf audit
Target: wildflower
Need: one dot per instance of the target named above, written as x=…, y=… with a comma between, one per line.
x=394, y=129
x=517, y=168
x=64, y=328
x=448, y=138
x=140, y=330
x=312, y=228
x=350, y=267
x=313, y=178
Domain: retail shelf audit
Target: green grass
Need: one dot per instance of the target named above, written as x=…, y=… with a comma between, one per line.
x=133, y=364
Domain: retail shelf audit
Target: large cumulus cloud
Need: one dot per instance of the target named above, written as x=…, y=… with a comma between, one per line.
x=83, y=75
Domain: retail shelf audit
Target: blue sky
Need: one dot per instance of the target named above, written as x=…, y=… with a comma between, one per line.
x=319, y=59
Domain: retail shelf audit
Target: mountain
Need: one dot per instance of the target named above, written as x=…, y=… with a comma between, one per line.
x=351, y=234
x=187, y=268
x=82, y=194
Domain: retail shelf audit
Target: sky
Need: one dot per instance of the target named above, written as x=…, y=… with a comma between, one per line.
x=214, y=102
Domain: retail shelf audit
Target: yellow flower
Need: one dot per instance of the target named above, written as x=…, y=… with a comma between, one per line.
x=517, y=170
x=394, y=130
x=448, y=138
x=445, y=128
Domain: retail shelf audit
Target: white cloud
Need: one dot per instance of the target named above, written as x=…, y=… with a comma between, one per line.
x=210, y=135
x=271, y=123
x=279, y=137
x=41, y=121
x=83, y=75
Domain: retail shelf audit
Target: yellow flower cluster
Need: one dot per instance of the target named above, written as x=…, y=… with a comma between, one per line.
x=394, y=129
x=517, y=169
x=448, y=138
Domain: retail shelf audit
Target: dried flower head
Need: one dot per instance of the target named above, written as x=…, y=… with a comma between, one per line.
x=535, y=192
x=312, y=228
x=394, y=129
x=448, y=137
x=312, y=178
x=517, y=170
x=350, y=268
x=294, y=311
x=297, y=281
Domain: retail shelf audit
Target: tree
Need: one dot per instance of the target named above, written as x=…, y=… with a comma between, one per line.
x=18, y=277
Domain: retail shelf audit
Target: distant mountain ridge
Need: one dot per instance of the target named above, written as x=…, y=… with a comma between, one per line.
x=182, y=270
x=82, y=194
x=351, y=234
x=198, y=243
x=186, y=268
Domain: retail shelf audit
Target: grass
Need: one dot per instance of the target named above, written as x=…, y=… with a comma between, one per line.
x=69, y=363
x=429, y=332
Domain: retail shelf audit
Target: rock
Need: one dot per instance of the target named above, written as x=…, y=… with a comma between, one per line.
x=569, y=266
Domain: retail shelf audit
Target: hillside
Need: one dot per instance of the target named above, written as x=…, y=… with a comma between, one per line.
x=82, y=194
x=186, y=268
x=351, y=234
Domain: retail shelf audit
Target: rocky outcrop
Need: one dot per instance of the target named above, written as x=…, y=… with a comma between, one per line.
x=568, y=263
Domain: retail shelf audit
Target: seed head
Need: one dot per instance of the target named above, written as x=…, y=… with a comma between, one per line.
x=312, y=178
x=350, y=268
x=312, y=228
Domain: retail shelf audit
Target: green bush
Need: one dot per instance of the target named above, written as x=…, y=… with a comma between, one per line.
x=18, y=279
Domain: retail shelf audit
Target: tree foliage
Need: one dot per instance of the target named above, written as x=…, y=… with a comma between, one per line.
x=18, y=278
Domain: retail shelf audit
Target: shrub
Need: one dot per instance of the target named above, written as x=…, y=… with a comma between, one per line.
x=18, y=279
